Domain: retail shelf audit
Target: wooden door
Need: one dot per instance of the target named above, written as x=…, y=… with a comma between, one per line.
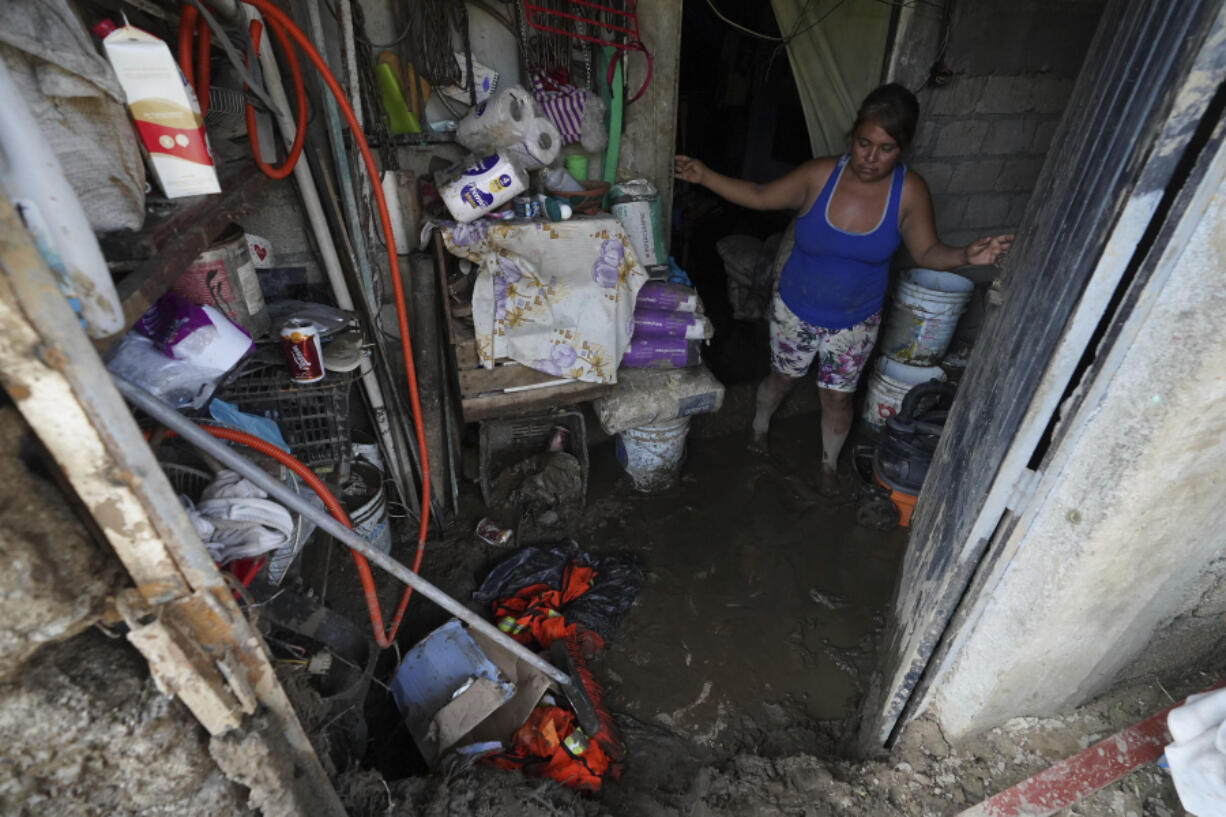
x=1093, y=214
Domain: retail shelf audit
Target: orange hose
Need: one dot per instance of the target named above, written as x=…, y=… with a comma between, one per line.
x=291, y=61
x=382, y=637
x=187, y=21
x=281, y=23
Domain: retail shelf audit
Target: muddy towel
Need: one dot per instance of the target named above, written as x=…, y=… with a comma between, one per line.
x=592, y=592
x=558, y=297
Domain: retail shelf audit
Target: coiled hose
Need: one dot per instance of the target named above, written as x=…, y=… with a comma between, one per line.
x=287, y=35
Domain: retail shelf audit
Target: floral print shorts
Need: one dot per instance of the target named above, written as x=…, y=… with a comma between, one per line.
x=840, y=353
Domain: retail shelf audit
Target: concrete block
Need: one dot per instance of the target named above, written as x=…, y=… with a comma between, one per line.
x=958, y=97
x=1044, y=130
x=936, y=174
x=949, y=212
x=927, y=135
x=1017, y=207
x=976, y=176
x=1007, y=94
x=986, y=210
x=1050, y=94
x=1009, y=136
x=962, y=137
x=1019, y=174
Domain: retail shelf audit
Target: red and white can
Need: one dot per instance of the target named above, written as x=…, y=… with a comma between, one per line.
x=300, y=340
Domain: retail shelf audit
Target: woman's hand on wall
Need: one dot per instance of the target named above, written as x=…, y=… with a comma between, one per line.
x=988, y=250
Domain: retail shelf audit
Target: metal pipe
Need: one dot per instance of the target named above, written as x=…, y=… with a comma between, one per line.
x=305, y=180
x=191, y=432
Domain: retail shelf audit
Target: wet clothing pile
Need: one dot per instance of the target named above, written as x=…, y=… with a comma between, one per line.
x=540, y=596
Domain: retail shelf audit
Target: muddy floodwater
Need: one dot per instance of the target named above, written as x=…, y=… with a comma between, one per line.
x=762, y=600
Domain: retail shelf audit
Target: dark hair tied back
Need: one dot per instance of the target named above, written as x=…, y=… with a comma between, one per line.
x=892, y=108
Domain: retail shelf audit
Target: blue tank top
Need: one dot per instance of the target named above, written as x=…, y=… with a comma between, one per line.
x=836, y=279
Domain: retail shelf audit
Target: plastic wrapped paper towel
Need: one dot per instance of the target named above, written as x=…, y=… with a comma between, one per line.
x=485, y=185
x=511, y=123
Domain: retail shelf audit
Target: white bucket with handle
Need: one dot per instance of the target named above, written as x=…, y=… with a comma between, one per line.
x=652, y=455
x=921, y=323
x=888, y=384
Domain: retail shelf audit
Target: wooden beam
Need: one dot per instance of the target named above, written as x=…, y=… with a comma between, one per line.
x=169, y=245
x=207, y=648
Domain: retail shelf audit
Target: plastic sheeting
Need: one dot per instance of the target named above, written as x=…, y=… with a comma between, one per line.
x=74, y=95
x=835, y=62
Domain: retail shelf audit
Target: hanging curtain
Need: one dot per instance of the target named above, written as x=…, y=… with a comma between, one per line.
x=835, y=62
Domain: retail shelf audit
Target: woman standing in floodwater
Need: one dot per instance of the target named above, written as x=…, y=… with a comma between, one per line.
x=854, y=211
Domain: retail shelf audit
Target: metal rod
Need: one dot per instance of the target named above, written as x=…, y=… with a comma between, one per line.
x=200, y=438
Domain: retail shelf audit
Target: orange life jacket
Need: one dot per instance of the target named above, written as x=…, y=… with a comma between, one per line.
x=534, y=614
x=550, y=744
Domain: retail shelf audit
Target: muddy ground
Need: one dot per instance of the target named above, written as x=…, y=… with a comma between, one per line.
x=730, y=680
x=749, y=645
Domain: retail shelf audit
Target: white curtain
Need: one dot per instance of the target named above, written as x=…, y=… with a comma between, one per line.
x=835, y=62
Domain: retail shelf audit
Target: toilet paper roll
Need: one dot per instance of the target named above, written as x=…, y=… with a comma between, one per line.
x=505, y=119
x=539, y=147
x=486, y=185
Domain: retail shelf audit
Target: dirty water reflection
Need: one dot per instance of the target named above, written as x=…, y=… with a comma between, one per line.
x=762, y=602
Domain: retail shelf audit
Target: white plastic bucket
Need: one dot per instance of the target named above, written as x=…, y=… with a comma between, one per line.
x=888, y=384
x=652, y=455
x=368, y=512
x=927, y=305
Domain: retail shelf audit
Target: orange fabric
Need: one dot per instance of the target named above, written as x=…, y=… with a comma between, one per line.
x=534, y=616
x=539, y=748
x=536, y=610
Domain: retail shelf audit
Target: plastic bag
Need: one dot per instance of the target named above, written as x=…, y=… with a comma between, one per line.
x=601, y=609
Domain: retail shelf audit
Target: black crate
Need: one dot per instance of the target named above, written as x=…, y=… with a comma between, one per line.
x=313, y=417
x=505, y=441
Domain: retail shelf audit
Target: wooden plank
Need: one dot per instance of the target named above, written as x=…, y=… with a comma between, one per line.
x=500, y=404
x=1104, y=153
x=57, y=381
x=174, y=242
x=1063, y=784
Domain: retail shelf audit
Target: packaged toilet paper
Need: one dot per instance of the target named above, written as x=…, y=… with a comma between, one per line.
x=502, y=120
x=539, y=147
x=486, y=185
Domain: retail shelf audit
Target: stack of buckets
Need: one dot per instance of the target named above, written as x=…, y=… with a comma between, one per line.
x=916, y=335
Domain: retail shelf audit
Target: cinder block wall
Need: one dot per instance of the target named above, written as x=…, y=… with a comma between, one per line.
x=1008, y=70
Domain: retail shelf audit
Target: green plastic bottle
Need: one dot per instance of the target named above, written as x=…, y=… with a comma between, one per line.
x=401, y=119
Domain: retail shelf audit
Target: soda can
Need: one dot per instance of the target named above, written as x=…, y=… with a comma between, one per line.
x=557, y=438
x=489, y=532
x=303, y=354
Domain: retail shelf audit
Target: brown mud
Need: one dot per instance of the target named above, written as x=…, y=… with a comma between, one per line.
x=749, y=645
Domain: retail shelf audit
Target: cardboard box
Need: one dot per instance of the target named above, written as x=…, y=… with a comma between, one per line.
x=165, y=112
x=457, y=689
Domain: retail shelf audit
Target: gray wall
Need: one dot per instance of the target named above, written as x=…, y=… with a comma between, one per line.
x=985, y=132
x=1115, y=568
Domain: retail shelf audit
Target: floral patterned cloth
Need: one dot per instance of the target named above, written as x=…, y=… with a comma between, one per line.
x=556, y=296
x=841, y=353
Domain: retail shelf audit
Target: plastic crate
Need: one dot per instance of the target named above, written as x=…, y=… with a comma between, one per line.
x=313, y=417
x=505, y=441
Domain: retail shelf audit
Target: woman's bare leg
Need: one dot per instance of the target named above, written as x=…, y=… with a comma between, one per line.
x=836, y=425
x=771, y=391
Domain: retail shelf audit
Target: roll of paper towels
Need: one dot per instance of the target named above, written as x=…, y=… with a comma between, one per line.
x=486, y=185
x=503, y=120
x=539, y=147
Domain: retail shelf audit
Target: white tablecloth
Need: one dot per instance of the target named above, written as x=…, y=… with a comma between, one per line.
x=558, y=297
